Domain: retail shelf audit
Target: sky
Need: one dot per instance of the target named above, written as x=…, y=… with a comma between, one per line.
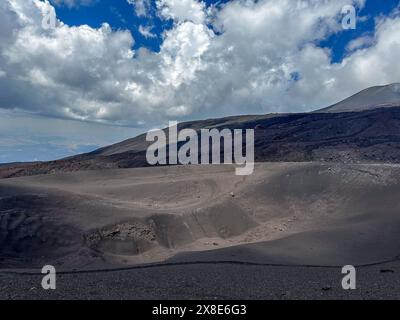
x=107, y=70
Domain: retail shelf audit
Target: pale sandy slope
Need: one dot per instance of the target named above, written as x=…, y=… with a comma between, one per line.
x=285, y=213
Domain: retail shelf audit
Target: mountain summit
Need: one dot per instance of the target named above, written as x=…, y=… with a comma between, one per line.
x=371, y=98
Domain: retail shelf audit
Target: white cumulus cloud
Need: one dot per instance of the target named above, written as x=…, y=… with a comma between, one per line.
x=146, y=32
x=246, y=57
x=142, y=7
x=182, y=10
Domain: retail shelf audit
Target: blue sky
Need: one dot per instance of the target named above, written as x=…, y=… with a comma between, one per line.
x=81, y=85
x=372, y=10
x=120, y=15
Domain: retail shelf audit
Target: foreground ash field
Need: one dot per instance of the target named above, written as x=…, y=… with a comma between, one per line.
x=323, y=194
x=285, y=213
x=179, y=220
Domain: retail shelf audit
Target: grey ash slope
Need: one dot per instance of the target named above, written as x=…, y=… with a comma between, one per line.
x=368, y=99
x=285, y=213
x=362, y=128
x=371, y=98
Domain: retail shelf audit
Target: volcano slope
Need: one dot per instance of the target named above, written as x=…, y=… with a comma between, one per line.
x=285, y=213
x=362, y=128
x=323, y=194
x=371, y=136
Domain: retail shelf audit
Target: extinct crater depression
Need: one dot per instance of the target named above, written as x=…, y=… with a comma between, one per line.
x=324, y=192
